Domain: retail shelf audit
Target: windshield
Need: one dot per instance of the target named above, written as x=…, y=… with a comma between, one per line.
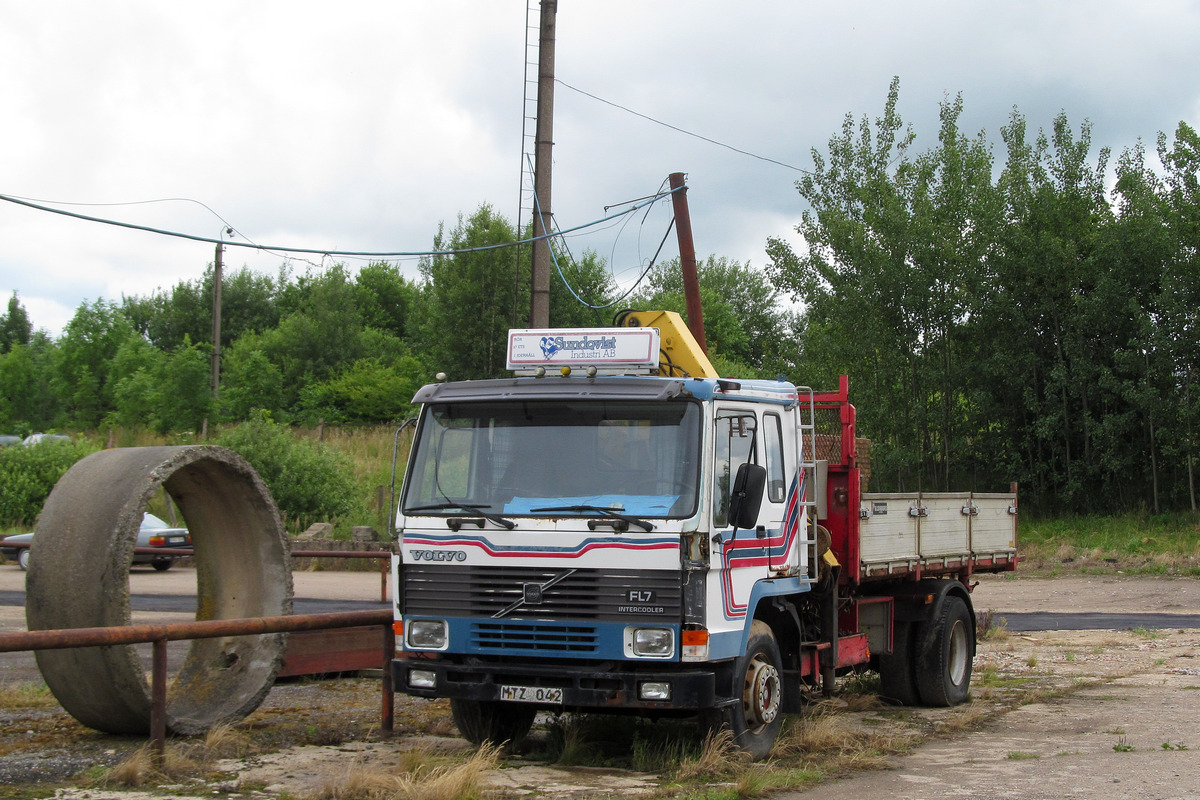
x=521, y=457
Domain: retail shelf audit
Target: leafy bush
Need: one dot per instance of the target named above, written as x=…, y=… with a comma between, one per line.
x=27, y=474
x=309, y=481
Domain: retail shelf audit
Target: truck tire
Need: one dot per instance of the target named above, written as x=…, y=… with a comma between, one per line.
x=482, y=721
x=756, y=718
x=897, y=671
x=944, y=660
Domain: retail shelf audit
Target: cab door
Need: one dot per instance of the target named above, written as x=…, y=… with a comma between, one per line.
x=740, y=556
x=783, y=500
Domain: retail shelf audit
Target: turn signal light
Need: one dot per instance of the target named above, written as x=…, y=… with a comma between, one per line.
x=695, y=644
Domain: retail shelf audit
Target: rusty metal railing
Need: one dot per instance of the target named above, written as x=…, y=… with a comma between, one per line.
x=159, y=635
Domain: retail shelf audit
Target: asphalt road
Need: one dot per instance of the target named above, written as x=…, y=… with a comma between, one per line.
x=1017, y=622
x=1026, y=604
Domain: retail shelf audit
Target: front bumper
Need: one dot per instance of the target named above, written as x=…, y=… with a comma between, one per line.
x=582, y=687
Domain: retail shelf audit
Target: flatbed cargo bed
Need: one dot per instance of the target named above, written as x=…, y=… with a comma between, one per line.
x=935, y=533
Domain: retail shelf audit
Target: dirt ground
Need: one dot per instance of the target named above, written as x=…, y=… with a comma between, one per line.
x=1056, y=714
x=1126, y=726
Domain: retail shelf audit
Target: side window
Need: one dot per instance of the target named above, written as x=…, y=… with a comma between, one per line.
x=734, y=446
x=773, y=440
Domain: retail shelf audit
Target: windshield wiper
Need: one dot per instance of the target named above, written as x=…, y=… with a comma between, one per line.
x=607, y=512
x=488, y=515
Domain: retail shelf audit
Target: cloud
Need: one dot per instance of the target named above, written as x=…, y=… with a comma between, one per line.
x=363, y=125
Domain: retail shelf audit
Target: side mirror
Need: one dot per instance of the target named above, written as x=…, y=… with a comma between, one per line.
x=747, y=497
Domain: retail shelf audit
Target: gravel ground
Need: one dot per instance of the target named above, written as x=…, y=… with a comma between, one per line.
x=1113, y=714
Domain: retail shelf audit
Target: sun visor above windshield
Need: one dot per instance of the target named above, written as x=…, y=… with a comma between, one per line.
x=614, y=388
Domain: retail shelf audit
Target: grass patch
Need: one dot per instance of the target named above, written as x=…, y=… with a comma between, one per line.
x=836, y=743
x=989, y=627
x=415, y=780
x=1134, y=544
x=26, y=695
x=718, y=757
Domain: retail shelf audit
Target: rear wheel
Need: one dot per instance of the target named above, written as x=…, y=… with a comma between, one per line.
x=757, y=716
x=482, y=721
x=897, y=670
x=944, y=661
x=23, y=558
x=161, y=564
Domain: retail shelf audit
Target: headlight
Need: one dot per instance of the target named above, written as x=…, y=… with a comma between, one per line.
x=654, y=690
x=426, y=634
x=422, y=679
x=650, y=642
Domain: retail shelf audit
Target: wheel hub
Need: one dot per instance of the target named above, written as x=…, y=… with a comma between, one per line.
x=959, y=657
x=762, y=694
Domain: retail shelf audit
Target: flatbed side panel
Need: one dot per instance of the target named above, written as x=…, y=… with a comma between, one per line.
x=945, y=529
x=994, y=526
x=887, y=531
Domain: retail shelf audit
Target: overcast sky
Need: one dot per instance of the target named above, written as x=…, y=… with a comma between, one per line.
x=361, y=125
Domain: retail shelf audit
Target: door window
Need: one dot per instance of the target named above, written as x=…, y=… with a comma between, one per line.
x=734, y=446
x=773, y=438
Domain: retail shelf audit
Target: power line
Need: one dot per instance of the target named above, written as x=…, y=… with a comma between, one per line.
x=681, y=130
x=283, y=249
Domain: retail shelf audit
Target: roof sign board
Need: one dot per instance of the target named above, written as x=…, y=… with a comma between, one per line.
x=610, y=350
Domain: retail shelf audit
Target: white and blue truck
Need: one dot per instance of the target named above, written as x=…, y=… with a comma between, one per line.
x=618, y=529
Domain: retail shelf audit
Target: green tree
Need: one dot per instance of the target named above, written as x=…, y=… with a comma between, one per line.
x=895, y=260
x=371, y=390
x=28, y=402
x=166, y=318
x=250, y=381
x=1177, y=333
x=1047, y=321
x=576, y=288
x=85, y=353
x=186, y=389
x=319, y=336
x=467, y=297
x=137, y=393
x=385, y=298
x=15, y=328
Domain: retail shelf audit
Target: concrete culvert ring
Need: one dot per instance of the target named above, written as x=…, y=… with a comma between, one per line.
x=79, y=578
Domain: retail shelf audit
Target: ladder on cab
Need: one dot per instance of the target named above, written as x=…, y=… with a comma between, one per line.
x=806, y=432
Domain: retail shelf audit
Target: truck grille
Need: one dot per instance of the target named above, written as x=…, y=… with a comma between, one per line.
x=504, y=637
x=512, y=594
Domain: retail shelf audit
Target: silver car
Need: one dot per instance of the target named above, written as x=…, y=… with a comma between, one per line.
x=153, y=533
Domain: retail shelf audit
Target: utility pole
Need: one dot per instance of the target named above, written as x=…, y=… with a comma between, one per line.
x=687, y=259
x=539, y=295
x=218, y=267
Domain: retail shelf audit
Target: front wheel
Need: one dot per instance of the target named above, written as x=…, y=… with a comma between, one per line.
x=756, y=718
x=482, y=721
x=944, y=660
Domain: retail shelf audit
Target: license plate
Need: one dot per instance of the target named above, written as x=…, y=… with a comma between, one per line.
x=175, y=540
x=531, y=694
